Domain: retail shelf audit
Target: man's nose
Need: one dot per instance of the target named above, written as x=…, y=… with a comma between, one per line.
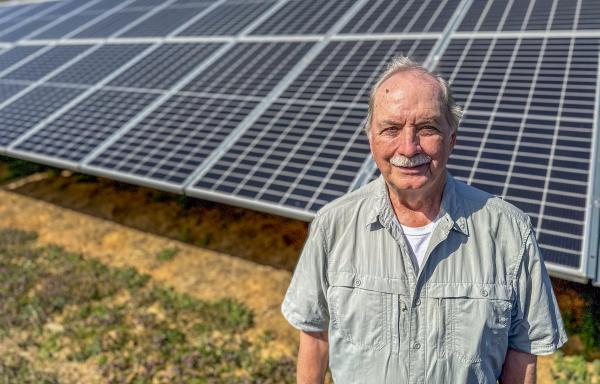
x=409, y=143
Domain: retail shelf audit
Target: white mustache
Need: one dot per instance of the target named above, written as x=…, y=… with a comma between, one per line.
x=409, y=162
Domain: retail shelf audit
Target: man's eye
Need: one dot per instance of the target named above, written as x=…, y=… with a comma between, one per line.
x=428, y=130
x=389, y=130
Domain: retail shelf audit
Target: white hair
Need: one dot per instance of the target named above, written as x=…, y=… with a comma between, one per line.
x=399, y=64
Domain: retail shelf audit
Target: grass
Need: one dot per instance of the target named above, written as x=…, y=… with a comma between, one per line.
x=167, y=254
x=59, y=306
x=574, y=370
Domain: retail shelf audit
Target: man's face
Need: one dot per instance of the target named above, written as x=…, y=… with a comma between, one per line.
x=409, y=136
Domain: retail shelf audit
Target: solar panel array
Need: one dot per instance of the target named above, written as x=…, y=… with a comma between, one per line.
x=260, y=103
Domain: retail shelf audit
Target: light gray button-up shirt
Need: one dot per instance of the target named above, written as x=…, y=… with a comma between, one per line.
x=482, y=288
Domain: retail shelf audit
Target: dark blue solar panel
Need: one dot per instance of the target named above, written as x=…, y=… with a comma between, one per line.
x=7, y=90
x=589, y=17
x=46, y=62
x=304, y=17
x=295, y=154
x=345, y=70
x=22, y=30
x=163, y=22
x=171, y=142
x=251, y=69
x=105, y=5
x=535, y=15
x=384, y=16
x=83, y=127
x=99, y=64
x=64, y=27
x=527, y=132
x=163, y=67
x=15, y=54
x=30, y=109
x=109, y=25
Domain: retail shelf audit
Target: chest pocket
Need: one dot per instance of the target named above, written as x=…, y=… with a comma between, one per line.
x=473, y=321
x=362, y=309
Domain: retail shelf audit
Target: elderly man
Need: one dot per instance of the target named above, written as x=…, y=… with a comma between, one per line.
x=418, y=277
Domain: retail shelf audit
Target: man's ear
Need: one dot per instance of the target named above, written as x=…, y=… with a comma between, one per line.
x=453, y=139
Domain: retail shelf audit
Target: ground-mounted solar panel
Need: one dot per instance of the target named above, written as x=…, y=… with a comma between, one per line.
x=250, y=69
x=407, y=16
x=25, y=28
x=32, y=10
x=83, y=127
x=527, y=131
x=145, y=4
x=172, y=141
x=27, y=111
x=166, y=65
x=98, y=64
x=164, y=21
x=108, y=25
x=16, y=54
x=228, y=18
x=296, y=154
x=7, y=90
x=105, y=5
x=535, y=15
x=47, y=62
x=345, y=70
x=64, y=27
x=304, y=17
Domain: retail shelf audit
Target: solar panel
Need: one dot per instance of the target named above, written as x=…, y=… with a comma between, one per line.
x=528, y=127
x=345, y=70
x=111, y=24
x=304, y=16
x=228, y=18
x=251, y=69
x=64, y=27
x=97, y=65
x=166, y=65
x=26, y=112
x=7, y=90
x=16, y=54
x=382, y=16
x=24, y=29
x=536, y=15
x=46, y=62
x=301, y=155
x=170, y=143
x=86, y=125
x=164, y=21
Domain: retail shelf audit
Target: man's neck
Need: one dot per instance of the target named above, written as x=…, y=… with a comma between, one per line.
x=416, y=208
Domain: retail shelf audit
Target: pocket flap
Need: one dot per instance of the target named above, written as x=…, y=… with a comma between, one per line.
x=370, y=283
x=472, y=290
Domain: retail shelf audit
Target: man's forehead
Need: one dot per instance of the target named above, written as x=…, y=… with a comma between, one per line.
x=409, y=80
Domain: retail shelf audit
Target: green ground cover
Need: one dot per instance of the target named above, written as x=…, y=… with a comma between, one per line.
x=57, y=306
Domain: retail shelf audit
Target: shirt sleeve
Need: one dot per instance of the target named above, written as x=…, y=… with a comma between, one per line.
x=536, y=324
x=305, y=304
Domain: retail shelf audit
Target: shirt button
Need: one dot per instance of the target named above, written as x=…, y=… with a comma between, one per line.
x=357, y=283
x=418, y=302
x=417, y=346
x=484, y=293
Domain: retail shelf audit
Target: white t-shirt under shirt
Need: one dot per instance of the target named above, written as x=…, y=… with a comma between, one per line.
x=418, y=239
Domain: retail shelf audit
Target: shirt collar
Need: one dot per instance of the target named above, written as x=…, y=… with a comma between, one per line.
x=452, y=207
